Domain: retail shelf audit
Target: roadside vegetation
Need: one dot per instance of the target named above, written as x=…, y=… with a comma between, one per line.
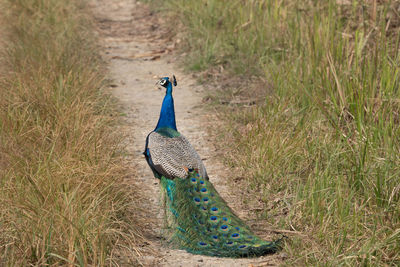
x=62, y=201
x=321, y=146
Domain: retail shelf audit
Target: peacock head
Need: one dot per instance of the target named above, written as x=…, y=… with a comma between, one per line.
x=165, y=82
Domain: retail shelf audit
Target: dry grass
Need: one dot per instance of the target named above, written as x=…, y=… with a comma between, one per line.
x=61, y=197
x=322, y=152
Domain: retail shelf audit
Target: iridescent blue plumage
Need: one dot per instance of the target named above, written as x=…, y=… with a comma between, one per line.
x=200, y=220
x=167, y=114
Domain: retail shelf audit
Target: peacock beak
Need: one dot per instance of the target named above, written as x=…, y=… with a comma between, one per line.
x=158, y=86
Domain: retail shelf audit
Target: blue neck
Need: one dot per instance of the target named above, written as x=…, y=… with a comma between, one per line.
x=167, y=114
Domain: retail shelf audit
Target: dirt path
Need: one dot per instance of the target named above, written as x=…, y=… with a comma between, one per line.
x=138, y=50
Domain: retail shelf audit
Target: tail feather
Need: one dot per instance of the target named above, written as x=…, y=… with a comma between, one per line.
x=202, y=222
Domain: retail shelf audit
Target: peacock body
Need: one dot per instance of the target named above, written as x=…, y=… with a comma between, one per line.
x=200, y=220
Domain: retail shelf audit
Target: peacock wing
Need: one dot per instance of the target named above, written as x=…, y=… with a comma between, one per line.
x=172, y=156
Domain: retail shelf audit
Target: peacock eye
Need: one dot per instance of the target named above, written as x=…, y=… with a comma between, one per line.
x=162, y=82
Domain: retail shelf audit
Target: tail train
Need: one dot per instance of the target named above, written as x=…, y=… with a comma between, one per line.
x=202, y=222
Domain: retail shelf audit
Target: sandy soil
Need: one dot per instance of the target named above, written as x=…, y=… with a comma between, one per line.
x=139, y=50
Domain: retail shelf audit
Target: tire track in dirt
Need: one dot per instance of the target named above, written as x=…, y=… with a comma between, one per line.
x=137, y=49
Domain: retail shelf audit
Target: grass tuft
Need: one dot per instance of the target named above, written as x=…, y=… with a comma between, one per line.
x=61, y=198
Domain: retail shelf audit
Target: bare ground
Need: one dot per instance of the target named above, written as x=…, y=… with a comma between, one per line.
x=139, y=50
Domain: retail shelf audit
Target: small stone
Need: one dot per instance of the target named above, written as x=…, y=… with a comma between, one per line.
x=283, y=255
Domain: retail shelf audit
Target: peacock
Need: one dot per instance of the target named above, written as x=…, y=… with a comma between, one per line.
x=200, y=221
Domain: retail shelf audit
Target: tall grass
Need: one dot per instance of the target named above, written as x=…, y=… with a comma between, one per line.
x=60, y=167
x=326, y=141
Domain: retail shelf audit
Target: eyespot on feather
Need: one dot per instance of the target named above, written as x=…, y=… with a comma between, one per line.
x=214, y=220
x=224, y=228
x=197, y=200
x=235, y=235
x=230, y=243
x=215, y=210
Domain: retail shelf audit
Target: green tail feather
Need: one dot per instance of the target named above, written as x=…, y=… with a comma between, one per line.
x=202, y=223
